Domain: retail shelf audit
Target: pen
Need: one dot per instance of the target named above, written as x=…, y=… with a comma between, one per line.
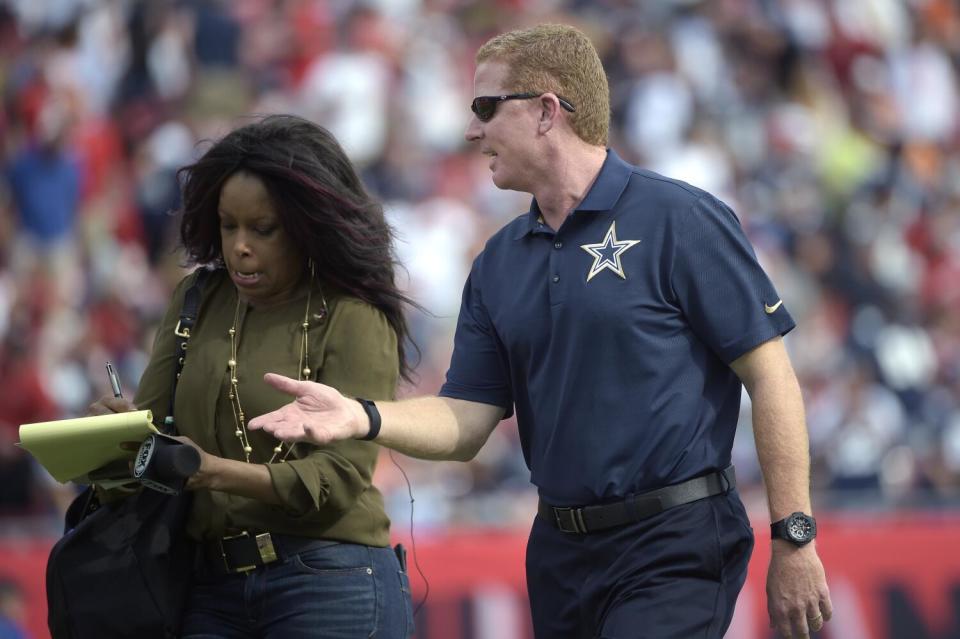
x=114, y=380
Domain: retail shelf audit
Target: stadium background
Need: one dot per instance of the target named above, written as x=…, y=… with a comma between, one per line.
x=830, y=126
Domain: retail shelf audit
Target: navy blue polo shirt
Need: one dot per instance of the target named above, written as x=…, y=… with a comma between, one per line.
x=612, y=337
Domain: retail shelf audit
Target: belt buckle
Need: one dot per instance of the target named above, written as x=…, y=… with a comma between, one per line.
x=184, y=332
x=265, y=549
x=572, y=515
x=268, y=553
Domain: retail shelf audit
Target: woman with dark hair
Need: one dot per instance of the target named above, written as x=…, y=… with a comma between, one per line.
x=294, y=539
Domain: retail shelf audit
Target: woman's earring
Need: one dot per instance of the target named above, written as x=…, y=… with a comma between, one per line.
x=312, y=266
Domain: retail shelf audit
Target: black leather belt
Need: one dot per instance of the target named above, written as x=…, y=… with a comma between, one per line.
x=587, y=519
x=247, y=551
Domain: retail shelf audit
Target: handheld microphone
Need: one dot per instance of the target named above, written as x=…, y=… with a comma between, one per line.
x=165, y=464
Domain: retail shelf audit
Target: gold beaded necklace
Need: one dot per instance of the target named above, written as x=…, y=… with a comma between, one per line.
x=303, y=372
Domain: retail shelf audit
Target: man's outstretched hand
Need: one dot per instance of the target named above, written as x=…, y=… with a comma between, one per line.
x=318, y=414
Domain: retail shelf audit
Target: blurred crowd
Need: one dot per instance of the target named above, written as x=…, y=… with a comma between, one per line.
x=830, y=126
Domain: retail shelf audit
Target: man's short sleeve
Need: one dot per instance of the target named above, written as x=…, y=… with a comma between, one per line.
x=478, y=368
x=727, y=298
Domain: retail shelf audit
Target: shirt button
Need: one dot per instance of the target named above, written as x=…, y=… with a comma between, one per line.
x=558, y=245
x=556, y=278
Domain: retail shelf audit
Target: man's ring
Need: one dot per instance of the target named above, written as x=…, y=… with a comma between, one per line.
x=815, y=617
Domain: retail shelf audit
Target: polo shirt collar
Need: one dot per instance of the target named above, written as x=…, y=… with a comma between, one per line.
x=602, y=196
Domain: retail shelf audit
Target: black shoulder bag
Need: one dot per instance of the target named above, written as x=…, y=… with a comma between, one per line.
x=123, y=569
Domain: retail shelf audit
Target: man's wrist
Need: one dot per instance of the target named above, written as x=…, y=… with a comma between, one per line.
x=798, y=528
x=784, y=548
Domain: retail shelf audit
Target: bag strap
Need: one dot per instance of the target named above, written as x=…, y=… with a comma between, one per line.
x=84, y=505
x=188, y=318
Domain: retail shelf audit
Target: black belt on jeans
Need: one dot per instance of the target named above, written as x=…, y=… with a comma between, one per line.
x=587, y=519
x=247, y=551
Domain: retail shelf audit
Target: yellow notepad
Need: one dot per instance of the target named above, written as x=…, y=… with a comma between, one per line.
x=71, y=448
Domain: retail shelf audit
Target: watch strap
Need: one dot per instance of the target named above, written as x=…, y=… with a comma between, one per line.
x=779, y=529
x=373, y=414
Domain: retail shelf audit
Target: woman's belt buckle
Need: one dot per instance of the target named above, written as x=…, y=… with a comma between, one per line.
x=265, y=549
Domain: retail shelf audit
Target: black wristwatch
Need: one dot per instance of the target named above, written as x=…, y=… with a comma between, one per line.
x=798, y=529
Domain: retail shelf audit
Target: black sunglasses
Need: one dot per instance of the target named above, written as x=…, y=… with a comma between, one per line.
x=485, y=107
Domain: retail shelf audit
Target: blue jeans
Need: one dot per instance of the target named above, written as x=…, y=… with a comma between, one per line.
x=330, y=591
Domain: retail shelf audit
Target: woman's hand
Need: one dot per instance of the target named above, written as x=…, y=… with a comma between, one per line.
x=231, y=476
x=206, y=474
x=109, y=405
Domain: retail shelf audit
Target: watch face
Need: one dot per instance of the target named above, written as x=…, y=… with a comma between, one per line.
x=801, y=528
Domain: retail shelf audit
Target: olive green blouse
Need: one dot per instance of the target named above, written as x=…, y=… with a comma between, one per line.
x=326, y=491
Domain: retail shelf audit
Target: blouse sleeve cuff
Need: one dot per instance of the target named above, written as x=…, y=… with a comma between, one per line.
x=297, y=496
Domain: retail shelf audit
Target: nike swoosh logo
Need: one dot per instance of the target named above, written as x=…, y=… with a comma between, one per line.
x=770, y=309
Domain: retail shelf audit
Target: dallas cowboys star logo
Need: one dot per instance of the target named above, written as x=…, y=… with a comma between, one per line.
x=607, y=253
